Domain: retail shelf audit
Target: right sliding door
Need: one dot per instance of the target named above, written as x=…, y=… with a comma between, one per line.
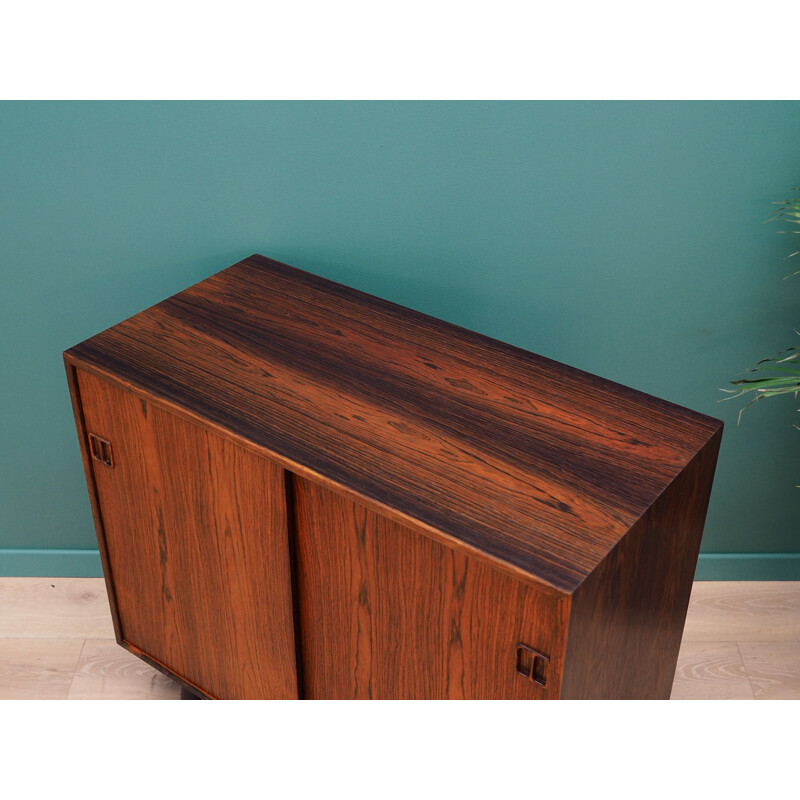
x=386, y=612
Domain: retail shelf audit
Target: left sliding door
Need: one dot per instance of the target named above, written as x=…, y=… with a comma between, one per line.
x=195, y=530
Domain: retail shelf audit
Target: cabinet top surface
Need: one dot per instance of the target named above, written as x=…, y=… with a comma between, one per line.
x=537, y=464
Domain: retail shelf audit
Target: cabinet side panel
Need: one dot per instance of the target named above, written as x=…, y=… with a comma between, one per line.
x=628, y=616
x=196, y=532
x=80, y=426
x=388, y=613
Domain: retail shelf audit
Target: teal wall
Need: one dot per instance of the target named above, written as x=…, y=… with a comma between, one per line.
x=624, y=238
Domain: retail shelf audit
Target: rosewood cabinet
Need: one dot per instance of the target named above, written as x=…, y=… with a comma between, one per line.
x=301, y=490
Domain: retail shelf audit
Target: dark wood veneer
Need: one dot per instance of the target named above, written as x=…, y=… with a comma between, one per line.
x=635, y=624
x=386, y=612
x=196, y=532
x=366, y=501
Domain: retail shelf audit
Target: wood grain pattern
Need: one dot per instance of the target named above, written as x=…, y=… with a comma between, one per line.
x=627, y=619
x=773, y=669
x=37, y=668
x=196, y=534
x=59, y=608
x=736, y=611
x=105, y=669
x=538, y=466
x=315, y=492
x=710, y=671
x=88, y=471
x=387, y=613
x=707, y=670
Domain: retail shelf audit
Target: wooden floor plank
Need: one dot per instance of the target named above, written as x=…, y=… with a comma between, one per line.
x=59, y=608
x=744, y=611
x=710, y=671
x=107, y=671
x=37, y=669
x=773, y=669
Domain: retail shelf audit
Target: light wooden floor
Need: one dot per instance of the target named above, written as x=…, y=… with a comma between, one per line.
x=741, y=641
